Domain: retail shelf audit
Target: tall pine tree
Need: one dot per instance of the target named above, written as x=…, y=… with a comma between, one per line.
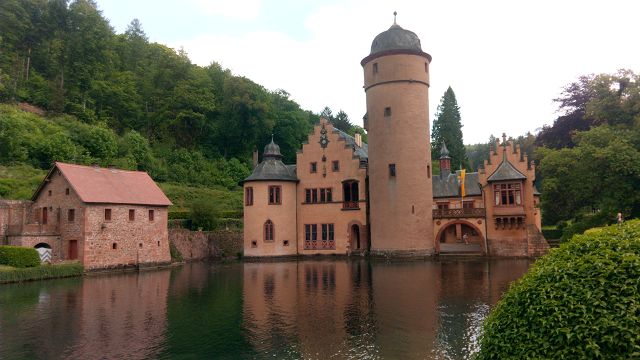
x=447, y=128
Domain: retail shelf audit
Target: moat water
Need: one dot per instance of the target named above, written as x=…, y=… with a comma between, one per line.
x=311, y=309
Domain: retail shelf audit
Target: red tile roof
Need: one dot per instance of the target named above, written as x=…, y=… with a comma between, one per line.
x=100, y=185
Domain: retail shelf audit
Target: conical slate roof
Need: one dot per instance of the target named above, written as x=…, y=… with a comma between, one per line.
x=444, y=152
x=272, y=167
x=396, y=38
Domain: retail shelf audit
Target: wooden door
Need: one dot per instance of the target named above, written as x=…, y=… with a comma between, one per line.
x=73, y=249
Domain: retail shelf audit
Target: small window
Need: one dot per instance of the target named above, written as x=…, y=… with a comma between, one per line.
x=132, y=214
x=66, y=191
x=443, y=206
x=335, y=165
x=114, y=246
x=107, y=214
x=314, y=195
x=313, y=168
x=387, y=111
x=392, y=170
x=426, y=67
x=254, y=244
x=248, y=196
x=285, y=243
x=151, y=215
x=49, y=192
x=275, y=197
x=375, y=68
x=467, y=205
x=71, y=215
x=140, y=245
x=429, y=171
x=158, y=243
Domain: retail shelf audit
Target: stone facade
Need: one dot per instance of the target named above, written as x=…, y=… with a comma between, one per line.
x=200, y=245
x=99, y=235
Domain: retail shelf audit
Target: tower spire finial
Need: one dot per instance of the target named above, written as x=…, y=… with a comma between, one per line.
x=395, y=13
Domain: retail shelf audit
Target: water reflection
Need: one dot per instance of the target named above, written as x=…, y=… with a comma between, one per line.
x=324, y=309
x=311, y=309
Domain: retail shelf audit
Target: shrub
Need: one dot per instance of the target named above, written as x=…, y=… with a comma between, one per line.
x=204, y=215
x=581, y=300
x=19, y=257
x=41, y=272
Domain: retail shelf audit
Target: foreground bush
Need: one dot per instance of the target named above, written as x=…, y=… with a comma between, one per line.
x=580, y=301
x=8, y=275
x=19, y=257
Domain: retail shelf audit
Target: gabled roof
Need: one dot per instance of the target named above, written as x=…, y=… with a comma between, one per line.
x=361, y=152
x=109, y=186
x=506, y=171
x=448, y=185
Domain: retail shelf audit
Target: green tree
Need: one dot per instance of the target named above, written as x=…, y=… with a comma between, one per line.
x=447, y=128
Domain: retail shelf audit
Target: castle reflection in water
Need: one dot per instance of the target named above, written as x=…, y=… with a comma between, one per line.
x=292, y=309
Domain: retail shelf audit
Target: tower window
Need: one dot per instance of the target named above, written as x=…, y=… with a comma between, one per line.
x=375, y=68
x=248, y=196
x=275, y=195
x=387, y=111
x=426, y=67
x=392, y=170
x=313, y=167
x=335, y=165
x=268, y=231
x=429, y=171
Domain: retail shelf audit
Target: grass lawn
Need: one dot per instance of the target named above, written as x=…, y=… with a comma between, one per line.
x=10, y=274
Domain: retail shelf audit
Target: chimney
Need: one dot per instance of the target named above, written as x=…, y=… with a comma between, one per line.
x=358, y=138
x=255, y=158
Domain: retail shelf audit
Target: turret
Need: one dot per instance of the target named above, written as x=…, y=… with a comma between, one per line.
x=445, y=161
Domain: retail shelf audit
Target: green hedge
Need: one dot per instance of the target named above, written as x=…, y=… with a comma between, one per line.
x=8, y=275
x=580, y=301
x=19, y=257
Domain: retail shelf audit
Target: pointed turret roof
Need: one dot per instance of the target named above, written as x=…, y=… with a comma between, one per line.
x=444, y=152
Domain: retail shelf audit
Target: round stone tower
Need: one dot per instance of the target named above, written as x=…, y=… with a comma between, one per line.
x=396, y=82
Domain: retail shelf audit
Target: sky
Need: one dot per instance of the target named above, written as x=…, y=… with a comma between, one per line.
x=505, y=60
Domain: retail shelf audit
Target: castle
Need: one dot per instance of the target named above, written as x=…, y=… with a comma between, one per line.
x=344, y=196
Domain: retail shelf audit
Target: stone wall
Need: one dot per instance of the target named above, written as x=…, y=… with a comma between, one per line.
x=199, y=245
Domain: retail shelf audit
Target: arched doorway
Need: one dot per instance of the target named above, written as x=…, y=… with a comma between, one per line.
x=45, y=252
x=355, y=236
x=459, y=237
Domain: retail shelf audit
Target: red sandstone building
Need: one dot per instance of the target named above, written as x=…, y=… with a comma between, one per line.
x=104, y=217
x=344, y=196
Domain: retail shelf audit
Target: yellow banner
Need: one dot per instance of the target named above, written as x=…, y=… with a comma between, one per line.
x=462, y=175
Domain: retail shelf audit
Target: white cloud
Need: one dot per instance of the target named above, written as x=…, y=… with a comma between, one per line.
x=236, y=9
x=506, y=61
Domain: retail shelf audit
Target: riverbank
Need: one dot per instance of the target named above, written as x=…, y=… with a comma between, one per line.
x=10, y=274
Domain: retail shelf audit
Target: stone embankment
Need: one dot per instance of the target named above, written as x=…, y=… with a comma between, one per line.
x=201, y=245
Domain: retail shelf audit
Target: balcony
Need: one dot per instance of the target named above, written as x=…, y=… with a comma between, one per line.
x=350, y=205
x=458, y=213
